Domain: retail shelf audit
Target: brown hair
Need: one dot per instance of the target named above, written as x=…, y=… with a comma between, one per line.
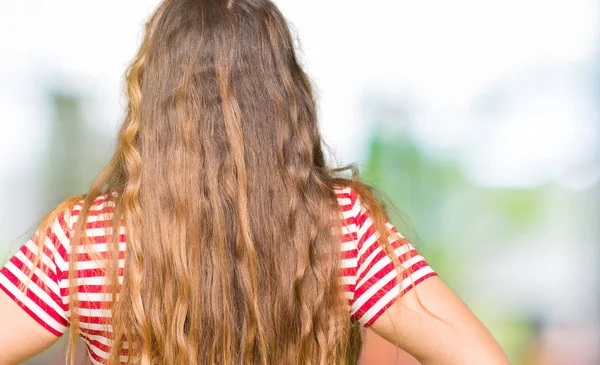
x=220, y=181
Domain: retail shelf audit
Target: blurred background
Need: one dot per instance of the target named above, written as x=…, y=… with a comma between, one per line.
x=479, y=120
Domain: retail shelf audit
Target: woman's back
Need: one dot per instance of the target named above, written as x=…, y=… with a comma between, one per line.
x=366, y=272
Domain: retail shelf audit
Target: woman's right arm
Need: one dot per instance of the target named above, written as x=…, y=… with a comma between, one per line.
x=456, y=337
x=32, y=320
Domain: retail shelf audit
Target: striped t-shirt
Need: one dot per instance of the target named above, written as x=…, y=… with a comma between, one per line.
x=367, y=273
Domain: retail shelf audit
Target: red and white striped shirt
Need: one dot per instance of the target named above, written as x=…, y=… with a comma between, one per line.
x=367, y=273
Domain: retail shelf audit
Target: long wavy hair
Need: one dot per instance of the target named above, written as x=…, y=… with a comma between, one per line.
x=220, y=183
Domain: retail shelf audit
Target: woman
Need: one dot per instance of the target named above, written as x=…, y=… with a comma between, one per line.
x=217, y=234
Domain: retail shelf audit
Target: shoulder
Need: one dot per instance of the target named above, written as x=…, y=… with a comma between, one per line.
x=100, y=202
x=349, y=201
x=346, y=195
x=100, y=208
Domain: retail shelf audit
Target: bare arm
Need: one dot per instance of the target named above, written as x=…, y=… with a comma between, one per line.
x=21, y=337
x=458, y=339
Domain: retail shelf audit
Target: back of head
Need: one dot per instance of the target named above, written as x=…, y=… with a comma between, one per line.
x=220, y=181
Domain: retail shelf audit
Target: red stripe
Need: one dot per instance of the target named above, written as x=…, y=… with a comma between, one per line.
x=348, y=271
x=98, y=344
x=348, y=254
x=348, y=237
x=94, y=273
x=93, y=213
x=105, y=224
x=104, y=239
x=96, y=304
x=105, y=334
x=341, y=222
x=103, y=255
x=349, y=288
x=94, y=319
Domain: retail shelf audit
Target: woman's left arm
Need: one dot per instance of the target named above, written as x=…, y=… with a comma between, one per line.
x=455, y=337
x=21, y=337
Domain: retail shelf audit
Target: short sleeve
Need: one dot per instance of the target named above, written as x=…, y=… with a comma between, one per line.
x=45, y=298
x=377, y=286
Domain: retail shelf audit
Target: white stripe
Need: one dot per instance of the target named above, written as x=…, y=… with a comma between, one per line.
x=348, y=246
x=94, y=297
x=103, y=340
x=96, y=207
x=416, y=276
x=343, y=190
x=406, y=265
x=96, y=326
x=347, y=263
x=100, y=247
x=93, y=264
x=100, y=217
x=345, y=230
x=104, y=313
x=348, y=280
x=101, y=231
x=92, y=280
x=344, y=201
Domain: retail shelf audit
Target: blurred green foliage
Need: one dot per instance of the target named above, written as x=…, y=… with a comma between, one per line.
x=434, y=204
